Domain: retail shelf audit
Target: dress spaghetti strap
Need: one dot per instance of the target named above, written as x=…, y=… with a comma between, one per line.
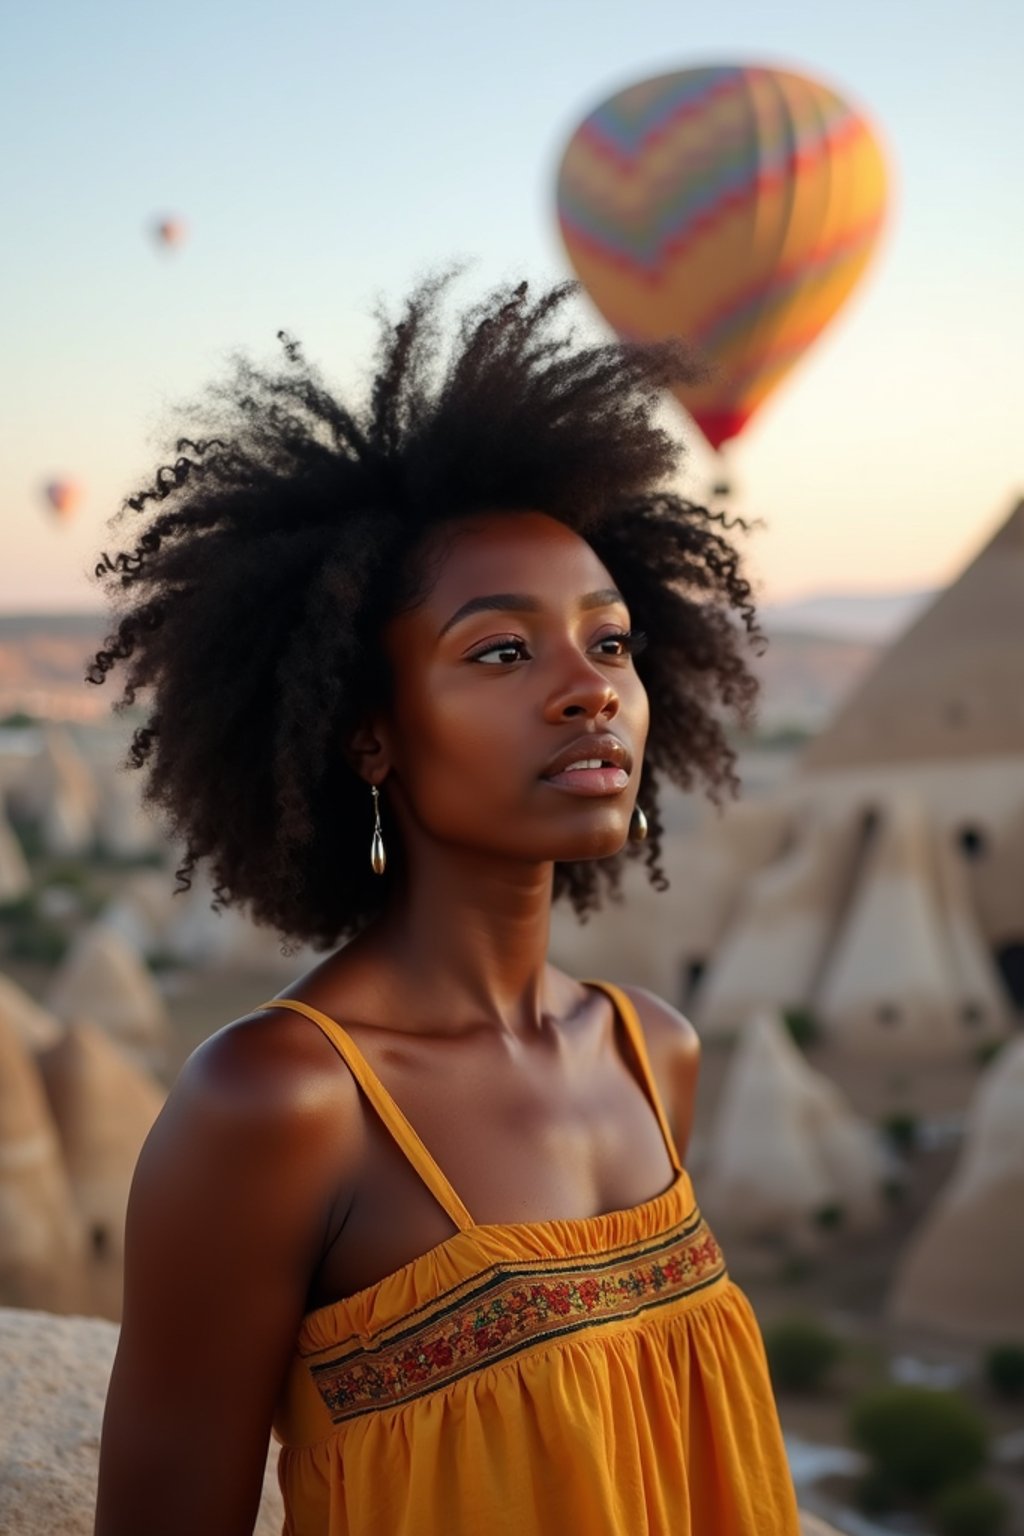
x=393, y=1118
x=626, y=1011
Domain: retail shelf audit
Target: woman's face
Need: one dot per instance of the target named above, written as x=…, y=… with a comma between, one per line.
x=508, y=676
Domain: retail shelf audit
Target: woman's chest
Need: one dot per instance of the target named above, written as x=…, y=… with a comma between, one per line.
x=551, y=1140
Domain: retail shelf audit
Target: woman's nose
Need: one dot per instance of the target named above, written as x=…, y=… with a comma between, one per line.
x=585, y=692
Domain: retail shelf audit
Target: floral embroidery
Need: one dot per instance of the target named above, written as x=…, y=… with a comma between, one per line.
x=511, y=1307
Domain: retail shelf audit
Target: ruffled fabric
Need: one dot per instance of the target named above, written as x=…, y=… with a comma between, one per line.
x=602, y=1376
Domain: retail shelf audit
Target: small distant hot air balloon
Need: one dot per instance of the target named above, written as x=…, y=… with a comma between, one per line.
x=170, y=232
x=735, y=207
x=64, y=497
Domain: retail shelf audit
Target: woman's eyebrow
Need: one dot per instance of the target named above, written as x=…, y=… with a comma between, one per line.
x=522, y=602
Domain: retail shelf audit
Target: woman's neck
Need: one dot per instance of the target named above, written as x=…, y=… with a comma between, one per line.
x=468, y=939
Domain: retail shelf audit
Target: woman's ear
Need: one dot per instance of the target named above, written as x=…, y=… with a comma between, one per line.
x=367, y=753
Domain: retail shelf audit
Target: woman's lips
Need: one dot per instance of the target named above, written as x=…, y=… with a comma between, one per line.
x=590, y=781
x=592, y=764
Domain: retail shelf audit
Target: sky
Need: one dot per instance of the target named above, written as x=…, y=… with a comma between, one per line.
x=325, y=155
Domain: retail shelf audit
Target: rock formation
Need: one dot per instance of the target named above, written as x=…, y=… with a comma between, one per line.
x=773, y=951
x=103, y=1106
x=963, y=1271
x=53, y=1383
x=36, y=1028
x=785, y=1148
x=103, y=980
x=42, y=1251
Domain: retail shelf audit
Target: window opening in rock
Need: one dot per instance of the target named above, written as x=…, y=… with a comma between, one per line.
x=973, y=842
x=1010, y=960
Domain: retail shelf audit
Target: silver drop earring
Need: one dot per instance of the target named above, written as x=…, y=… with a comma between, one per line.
x=637, y=825
x=378, y=857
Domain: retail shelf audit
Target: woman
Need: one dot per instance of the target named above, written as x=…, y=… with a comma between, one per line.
x=412, y=671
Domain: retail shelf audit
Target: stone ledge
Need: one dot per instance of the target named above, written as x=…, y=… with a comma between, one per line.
x=53, y=1381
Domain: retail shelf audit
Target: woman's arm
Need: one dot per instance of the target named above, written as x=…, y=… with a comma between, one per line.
x=229, y=1214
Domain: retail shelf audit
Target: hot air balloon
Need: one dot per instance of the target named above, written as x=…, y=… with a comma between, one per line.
x=64, y=497
x=170, y=232
x=735, y=207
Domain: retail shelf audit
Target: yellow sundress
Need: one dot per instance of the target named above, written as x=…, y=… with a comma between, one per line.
x=599, y=1376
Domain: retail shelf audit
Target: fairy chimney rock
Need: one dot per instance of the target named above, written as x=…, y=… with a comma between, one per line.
x=102, y=979
x=786, y=1147
x=41, y=1240
x=104, y=1107
x=963, y=1271
x=951, y=687
x=35, y=1027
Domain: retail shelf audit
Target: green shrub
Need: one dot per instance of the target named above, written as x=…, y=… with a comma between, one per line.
x=1004, y=1370
x=902, y=1130
x=971, y=1509
x=31, y=934
x=783, y=738
x=68, y=873
x=160, y=960
x=922, y=1439
x=39, y=943
x=829, y=1217
x=802, y=1026
x=801, y=1354
x=21, y=910
x=987, y=1051
x=148, y=858
x=795, y=1268
x=30, y=835
x=876, y=1493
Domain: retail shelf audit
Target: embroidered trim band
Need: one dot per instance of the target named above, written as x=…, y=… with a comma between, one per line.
x=510, y=1308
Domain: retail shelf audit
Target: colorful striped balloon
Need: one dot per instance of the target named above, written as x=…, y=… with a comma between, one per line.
x=735, y=207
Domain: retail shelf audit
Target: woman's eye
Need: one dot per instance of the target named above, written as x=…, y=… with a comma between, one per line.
x=502, y=654
x=628, y=643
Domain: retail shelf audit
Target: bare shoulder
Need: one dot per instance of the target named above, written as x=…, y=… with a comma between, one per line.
x=666, y=1031
x=269, y=1062
x=674, y=1048
x=267, y=1089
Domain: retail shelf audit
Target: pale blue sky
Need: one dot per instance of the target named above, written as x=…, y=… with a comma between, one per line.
x=323, y=154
